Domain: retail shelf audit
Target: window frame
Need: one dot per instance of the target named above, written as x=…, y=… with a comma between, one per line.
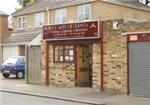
x=35, y=19
x=59, y=16
x=64, y=49
x=84, y=12
x=22, y=22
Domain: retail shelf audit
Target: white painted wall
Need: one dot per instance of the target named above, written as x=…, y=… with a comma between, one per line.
x=10, y=51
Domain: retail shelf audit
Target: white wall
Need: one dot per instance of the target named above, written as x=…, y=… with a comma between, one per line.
x=10, y=51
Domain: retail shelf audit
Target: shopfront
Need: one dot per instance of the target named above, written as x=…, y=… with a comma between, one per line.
x=70, y=51
x=139, y=64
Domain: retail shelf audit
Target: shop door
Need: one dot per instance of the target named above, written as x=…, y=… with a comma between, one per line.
x=83, y=66
x=139, y=69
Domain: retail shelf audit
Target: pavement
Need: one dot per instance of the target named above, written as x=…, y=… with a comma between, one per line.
x=80, y=95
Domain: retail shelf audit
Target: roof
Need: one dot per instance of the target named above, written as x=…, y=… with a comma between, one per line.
x=129, y=3
x=43, y=5
x=2, y=13
x=36, y=41
x=21, y=38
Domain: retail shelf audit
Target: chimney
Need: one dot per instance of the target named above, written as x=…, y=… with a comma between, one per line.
x=3, y=26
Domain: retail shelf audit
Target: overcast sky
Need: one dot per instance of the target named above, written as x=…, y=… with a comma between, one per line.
x=8, y=6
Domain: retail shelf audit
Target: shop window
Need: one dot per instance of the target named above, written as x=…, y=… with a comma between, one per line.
x=59, y=54
x=64, y=54
x=69, y=54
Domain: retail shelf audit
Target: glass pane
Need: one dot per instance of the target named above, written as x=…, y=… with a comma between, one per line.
x=69, y=53
x=61, y=58
x=71, y=58
x=12, y=60
x=87, y=9
x=56, y=58
x=81, y=9
x=63, y=20
x=87, y=16
x=23, y=19
x=58, y=53
x=81, y=17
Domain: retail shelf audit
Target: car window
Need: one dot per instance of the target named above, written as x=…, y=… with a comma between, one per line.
x=11, y=61
x=21, y=61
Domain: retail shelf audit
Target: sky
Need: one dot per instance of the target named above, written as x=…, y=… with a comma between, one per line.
x=8, y=6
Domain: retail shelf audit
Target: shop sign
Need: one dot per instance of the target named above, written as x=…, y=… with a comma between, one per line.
x=133, y=37
x=84, y=30
x=139, y=37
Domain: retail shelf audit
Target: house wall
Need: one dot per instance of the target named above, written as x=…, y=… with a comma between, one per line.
x=30, y=21
x=108, y=11
x=21, y=50
x=3, y=27
x=3, y=31
x=100, y=11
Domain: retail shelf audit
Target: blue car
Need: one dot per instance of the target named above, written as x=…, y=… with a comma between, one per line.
x=15, y=66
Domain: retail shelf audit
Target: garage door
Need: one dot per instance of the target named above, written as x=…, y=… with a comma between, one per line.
x=139, y=68
x=10, y=51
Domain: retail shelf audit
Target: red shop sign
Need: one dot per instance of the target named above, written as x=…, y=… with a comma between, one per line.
x=84, y=30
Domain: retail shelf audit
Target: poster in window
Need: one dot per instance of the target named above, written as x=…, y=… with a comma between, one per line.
x=61, y=58
x=71, y=52
x=67, y=58
x=71, y=58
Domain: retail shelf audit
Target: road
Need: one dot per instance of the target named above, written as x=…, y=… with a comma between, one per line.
x=18, y=99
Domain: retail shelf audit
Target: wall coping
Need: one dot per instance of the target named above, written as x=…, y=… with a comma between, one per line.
x=138, y=32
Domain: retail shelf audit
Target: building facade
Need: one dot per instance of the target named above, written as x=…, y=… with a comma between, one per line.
x=99, y=62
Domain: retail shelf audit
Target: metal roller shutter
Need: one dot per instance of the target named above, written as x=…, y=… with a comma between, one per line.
x=139, y=68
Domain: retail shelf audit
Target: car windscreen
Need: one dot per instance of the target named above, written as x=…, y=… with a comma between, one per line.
x=12, y=60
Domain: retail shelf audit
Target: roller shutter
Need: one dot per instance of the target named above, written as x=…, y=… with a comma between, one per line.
x=139, y=68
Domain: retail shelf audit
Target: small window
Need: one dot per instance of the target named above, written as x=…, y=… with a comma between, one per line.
x=69, y=53
x=84, y=12
x=59, y=54
x=60, y=16
x=64, y=54
x=21, y=22
x=39, y=19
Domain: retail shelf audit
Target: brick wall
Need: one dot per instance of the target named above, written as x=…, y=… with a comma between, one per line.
x=43, y=58
x=115, y=54
x=96, y=66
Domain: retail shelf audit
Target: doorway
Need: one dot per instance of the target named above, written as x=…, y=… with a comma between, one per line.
x=84, y=66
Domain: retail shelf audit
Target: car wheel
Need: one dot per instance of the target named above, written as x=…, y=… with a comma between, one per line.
x=20, y=75
x=5, y=75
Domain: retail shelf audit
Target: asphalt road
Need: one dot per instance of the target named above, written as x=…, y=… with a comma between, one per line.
x=18, y=99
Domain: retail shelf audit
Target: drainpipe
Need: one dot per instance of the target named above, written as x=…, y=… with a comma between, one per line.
x=47, y=52
x=47, y=62
x=48, y=17
x=102, y=59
